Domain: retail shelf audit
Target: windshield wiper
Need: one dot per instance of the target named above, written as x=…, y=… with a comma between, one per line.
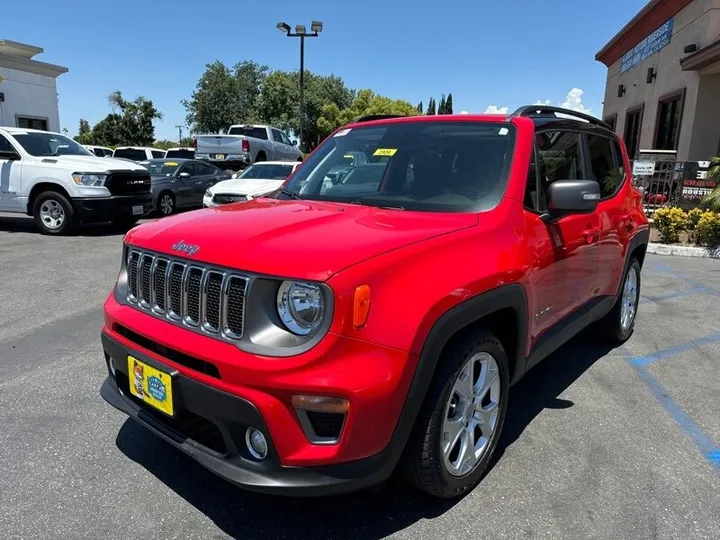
x=291, y=194
x=384, y=207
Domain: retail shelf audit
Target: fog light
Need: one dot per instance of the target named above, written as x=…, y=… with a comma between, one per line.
x=256, y=443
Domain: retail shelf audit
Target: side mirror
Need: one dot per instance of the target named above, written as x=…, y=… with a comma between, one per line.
x=293, y=142
x=572, y=197
x=10, y=155
x=184, y=175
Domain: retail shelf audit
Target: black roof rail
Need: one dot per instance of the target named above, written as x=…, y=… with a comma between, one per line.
x=370, y=117
x=547, y=110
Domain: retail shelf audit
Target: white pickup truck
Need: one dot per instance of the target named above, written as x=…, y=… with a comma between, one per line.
x=54, y=179
x=243, y=145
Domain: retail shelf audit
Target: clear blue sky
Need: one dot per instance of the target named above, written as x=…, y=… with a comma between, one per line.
x=486, y=53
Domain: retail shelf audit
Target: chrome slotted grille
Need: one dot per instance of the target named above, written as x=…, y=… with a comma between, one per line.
x=188, y=294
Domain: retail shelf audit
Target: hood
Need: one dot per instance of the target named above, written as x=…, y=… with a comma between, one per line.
x=90, y=163
x=246, y=186
x=295, y=239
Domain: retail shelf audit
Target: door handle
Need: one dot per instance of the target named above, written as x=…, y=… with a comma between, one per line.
x=590, y=234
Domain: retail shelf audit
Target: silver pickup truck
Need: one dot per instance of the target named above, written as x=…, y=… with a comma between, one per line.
x=243, y=145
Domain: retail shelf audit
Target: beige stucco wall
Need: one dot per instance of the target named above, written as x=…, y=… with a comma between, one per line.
x=698, y=23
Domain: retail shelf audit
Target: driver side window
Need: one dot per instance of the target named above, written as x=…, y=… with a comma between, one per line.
x=557, y=157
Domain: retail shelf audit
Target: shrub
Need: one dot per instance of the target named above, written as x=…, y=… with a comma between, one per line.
x=707, y=231
x=693, y=216
x=670, y=221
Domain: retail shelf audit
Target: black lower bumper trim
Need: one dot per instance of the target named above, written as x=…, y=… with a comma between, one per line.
x=232, y=416
x=108, y=208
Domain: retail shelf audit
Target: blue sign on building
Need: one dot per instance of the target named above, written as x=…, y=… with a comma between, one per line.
x=647, y=47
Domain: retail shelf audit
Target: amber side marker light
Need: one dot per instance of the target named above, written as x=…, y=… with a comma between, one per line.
x=327, y=404
x=361, y=305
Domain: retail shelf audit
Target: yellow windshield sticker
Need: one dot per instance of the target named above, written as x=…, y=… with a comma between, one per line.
x=348, y=156
x=171, y=164
x=385, y=152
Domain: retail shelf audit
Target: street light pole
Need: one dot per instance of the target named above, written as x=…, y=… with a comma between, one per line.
x=316, y=28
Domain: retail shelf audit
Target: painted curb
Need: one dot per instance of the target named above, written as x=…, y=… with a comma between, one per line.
x=684, y=251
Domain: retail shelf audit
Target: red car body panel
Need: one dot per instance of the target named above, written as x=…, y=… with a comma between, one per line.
x=418, y=266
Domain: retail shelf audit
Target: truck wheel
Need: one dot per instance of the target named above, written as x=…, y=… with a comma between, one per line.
x=619, y=324
x=260, y=157
x=458, y=428
x=53, y=213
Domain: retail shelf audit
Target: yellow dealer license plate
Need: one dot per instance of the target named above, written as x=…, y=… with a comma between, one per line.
x=151, y=385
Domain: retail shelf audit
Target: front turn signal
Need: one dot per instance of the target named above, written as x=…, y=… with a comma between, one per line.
x=361, y=305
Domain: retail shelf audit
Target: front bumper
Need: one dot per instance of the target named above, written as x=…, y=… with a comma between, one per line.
x=116, y=206
x=210, y=427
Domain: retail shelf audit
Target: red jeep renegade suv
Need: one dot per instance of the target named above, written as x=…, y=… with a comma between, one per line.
x=373, y=314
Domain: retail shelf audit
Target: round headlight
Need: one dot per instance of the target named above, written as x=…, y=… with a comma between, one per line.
x=300, y=306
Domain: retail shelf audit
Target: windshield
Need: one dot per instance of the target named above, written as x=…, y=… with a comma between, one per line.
x=133, y=154
x=430, y=166
x=50, y=144
x=160, y=167
x=182, y=153
x=249, y=131
x=267, y=171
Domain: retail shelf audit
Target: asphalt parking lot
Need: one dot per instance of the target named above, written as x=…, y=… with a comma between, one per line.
x=599, y=443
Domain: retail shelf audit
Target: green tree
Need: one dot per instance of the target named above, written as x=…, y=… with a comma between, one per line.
x=449, y=105
x=712, y=200
x=84, y=135
x=225, y=96
x=420, y=108
x=164, y=144
x=136, y=119
x=441, y=108
x=366, y=102
x=279, y=102
x=431, y=106
x=107, y=131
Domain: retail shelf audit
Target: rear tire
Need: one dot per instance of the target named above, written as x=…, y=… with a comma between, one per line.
x=619, y=324
x=459, y=425
x=53, y=213
x=260, y=157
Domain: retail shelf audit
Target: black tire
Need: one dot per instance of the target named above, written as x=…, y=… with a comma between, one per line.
x=171, y=199
x=260, y=157
x=125, y=222
x=610, y=328
x=423, y=463
x=44, y=204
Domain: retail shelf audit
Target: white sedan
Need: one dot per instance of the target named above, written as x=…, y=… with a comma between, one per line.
x=257, y=180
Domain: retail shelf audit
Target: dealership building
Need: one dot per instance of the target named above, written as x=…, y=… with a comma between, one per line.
x=663, y=81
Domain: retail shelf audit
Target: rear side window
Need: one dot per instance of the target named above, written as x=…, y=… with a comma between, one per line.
x=249, y=131
x=604, y=167
x=133, y=154
x=157, y=154
x=183, y=153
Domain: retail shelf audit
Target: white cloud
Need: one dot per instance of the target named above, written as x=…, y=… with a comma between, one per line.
x=463, y=112
x=540, y=102
x=494, y=109
x=573, y=101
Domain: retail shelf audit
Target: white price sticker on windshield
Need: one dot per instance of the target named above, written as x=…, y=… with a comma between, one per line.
x=342, y=132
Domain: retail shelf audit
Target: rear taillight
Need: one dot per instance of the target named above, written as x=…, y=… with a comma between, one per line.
x=245, y=145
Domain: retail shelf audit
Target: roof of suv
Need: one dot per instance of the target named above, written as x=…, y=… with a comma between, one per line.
x=541, y=115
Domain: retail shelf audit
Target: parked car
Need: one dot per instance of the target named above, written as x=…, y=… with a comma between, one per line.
x=315, y=342
x=181, y=153
x=245, y=145
x=257, y=180
x=181, y=183
x=54, y=179
x=99, y=151
x=138, y=153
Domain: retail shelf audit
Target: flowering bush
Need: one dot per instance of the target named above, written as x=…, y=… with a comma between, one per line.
x=707, y=231
x=670, y=222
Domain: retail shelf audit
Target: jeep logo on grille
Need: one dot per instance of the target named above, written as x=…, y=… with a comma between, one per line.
x=190, y=249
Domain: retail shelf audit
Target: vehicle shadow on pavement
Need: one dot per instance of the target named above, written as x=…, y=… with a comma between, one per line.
x=24, y=224
x=247, y=515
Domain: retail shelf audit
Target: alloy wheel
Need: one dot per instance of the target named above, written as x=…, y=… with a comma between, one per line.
x=52, y=214
x=629, y=299
x=166, y=205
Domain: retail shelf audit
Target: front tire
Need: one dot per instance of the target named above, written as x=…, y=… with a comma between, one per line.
x=619, y=324
x=53, y=213
x=459, y=426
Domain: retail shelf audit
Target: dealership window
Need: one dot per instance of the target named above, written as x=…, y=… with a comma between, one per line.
x=633, y=120
x=667, y=126
x=26, y=122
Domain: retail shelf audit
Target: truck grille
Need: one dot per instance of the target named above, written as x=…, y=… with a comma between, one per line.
x=224, y=198
x=188, y=294
x=128, y=183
